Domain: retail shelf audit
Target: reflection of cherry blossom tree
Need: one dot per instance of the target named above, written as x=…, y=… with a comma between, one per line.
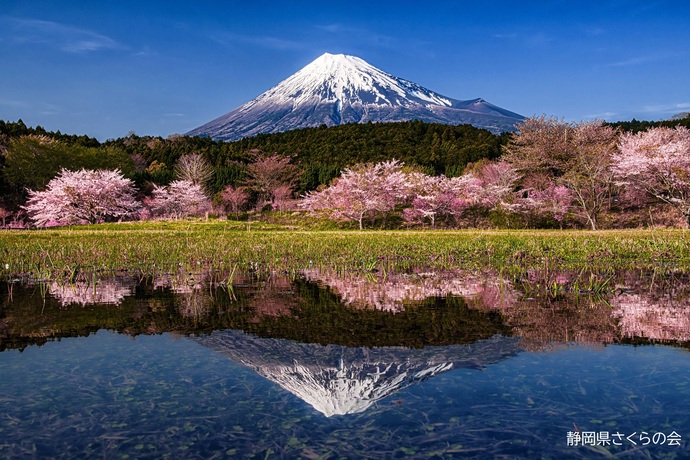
x=545, y=308
x=193, y=297
x=657, y=162
x=394, y=291
x=108, y=291
x=83, y=196
x=656, y=311
x=639, y=315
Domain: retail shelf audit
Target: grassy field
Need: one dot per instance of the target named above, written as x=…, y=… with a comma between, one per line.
x=168, y=246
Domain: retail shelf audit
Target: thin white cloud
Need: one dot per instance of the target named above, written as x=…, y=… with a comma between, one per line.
x=633, y=61
x=652, y=112
x=55, y=35
x=510, y=36
x=666, y=108
x=594, y=31
x=602, y=116
x=334, y=28
x=51, y=110
x=145, y=53
x=645, y=59
x=262, y=41
x=13, y=103
x=529, y=40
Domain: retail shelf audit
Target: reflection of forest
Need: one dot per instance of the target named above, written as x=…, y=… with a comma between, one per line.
x=543, y=307
x=414, y=309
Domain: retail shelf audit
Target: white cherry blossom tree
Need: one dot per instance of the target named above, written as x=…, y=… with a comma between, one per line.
x=84, y=196
x=179, y=199
x=657, y=162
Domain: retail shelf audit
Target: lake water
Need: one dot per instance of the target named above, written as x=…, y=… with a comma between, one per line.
x=327, y=365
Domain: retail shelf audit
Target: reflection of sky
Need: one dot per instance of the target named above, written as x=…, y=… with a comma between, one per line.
x=158, y=396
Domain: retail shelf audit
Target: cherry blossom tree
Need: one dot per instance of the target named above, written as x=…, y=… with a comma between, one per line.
x=467, y=193
x=657, y=161
x=179, y=199
x=361, y=191
x=440, y=196
x=194, y=168
x=234, y=198
x=90, y=196
x=589, y=176
x=282, y=198
x=574, y=155
x=268, y=173
x=553, y=201
x=497, y=183
x=4, y=214
x=432, y=198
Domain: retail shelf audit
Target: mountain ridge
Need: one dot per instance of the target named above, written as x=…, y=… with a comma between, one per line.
x=338, y=89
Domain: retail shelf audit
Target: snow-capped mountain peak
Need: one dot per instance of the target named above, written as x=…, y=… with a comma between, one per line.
x=336, y=89
x=349, y=79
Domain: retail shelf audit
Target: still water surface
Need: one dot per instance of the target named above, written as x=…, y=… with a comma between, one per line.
x=321, y=365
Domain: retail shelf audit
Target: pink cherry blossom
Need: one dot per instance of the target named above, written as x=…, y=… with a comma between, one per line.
x=84, y=196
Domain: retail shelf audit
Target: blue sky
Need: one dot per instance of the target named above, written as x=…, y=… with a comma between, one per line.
x=105, y=68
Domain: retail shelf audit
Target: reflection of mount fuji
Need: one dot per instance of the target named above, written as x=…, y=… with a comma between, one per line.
x=339, y=380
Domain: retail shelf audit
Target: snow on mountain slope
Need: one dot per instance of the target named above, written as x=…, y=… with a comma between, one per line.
x=339, y=380
x=338, y=89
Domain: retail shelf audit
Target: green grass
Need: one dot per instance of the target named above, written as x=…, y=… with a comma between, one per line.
x=166, y=246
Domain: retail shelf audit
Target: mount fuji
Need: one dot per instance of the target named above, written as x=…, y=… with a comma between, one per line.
x=339, y=380
x=336, y=89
